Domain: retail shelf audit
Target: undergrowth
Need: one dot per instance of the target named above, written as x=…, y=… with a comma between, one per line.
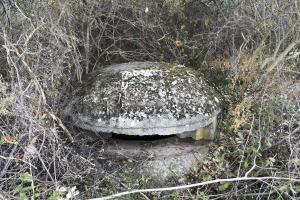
x=249, y=50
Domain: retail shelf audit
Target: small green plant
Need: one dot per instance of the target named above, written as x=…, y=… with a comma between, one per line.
x=55, y=195
x=224, y=186
x=26, y=188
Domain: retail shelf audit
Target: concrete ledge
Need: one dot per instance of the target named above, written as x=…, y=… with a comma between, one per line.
x=160, y=160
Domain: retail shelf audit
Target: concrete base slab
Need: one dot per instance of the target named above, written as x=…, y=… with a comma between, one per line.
x=160, y=159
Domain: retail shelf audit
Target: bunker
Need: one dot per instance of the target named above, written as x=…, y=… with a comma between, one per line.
x=142, y=100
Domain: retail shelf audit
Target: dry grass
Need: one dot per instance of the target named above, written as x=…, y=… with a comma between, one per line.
x=47, y=46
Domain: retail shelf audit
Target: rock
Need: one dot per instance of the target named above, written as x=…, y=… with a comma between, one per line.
x=145, y=98
x=161, y=160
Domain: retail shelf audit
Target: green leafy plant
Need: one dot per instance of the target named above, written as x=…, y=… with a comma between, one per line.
x=25, y=189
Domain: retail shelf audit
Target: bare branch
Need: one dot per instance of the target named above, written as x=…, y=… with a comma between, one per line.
x=196, y=185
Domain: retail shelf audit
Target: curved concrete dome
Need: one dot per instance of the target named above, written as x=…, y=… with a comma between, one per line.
x=143, y=98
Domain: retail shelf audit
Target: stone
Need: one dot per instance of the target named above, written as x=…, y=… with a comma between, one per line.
x=145, y=98
x=161, y=160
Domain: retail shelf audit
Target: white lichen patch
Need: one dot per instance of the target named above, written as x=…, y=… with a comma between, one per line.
x=143, y=73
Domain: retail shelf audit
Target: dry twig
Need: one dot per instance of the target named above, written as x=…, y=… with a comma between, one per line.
x=196, y=185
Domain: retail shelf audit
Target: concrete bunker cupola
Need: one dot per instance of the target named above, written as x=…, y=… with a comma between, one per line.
x=143, y=99
x=138, y=100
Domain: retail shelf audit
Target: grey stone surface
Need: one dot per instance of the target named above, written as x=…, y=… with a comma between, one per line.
x=143, y=98
x=160, y=160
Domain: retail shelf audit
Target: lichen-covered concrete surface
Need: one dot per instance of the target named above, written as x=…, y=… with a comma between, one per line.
x=143, y=98
x=161, y=160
